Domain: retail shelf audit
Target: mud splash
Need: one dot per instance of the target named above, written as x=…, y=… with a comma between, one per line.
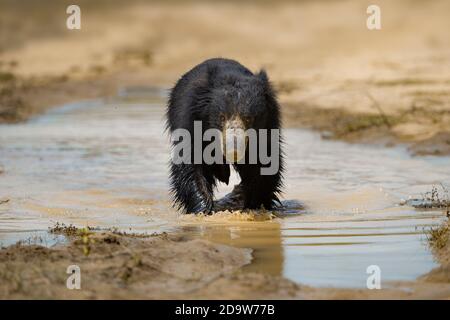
x=104, y=163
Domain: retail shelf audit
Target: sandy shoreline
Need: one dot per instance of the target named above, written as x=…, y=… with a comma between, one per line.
x=126, y=266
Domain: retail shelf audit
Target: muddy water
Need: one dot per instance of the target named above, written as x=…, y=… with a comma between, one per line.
x=104, y=163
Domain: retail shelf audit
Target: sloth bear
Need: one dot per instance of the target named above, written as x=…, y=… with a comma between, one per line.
x=222, y=94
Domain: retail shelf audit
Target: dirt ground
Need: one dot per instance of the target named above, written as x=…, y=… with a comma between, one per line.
x=120, y=266
x=332, y=73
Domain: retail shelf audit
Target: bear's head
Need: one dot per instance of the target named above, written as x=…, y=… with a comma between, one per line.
x=241, y=108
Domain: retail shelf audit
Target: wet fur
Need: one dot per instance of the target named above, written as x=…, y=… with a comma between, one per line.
x=210, y=88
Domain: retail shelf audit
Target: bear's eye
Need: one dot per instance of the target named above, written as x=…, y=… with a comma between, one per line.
x=247, y=119
x=222, y=118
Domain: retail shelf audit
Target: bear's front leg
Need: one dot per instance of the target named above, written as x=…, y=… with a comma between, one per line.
x=192, y=187
x=259, y=190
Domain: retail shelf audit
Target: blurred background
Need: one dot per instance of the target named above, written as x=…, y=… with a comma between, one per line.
x=331, y=72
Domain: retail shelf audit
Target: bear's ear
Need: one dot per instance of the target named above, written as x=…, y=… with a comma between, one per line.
x=265, y=82
x=262, y=75
x=271, y=98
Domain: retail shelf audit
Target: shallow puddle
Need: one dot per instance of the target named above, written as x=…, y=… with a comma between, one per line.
x=104, y=163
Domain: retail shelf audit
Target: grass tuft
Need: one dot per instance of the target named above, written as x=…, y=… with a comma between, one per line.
x=438, y=237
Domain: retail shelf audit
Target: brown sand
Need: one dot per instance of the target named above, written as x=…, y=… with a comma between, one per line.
x=115, y=266
x=121, y=266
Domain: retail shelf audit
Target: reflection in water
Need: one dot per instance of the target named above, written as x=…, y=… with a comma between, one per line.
x=105, y=164
x=264, y=237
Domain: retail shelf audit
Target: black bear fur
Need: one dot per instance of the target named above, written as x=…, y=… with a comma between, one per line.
x=209, y=90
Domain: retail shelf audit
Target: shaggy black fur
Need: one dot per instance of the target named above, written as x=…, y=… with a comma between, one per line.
x=211, y=92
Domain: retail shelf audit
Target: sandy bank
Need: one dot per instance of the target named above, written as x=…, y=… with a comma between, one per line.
x=120, y=266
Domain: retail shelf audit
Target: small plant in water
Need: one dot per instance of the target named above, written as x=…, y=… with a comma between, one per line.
x=71, y=231
x=438, y=237
x=438, y=197
x=85, y=234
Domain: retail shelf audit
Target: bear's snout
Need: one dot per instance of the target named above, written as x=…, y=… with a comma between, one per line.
x=234, y=140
